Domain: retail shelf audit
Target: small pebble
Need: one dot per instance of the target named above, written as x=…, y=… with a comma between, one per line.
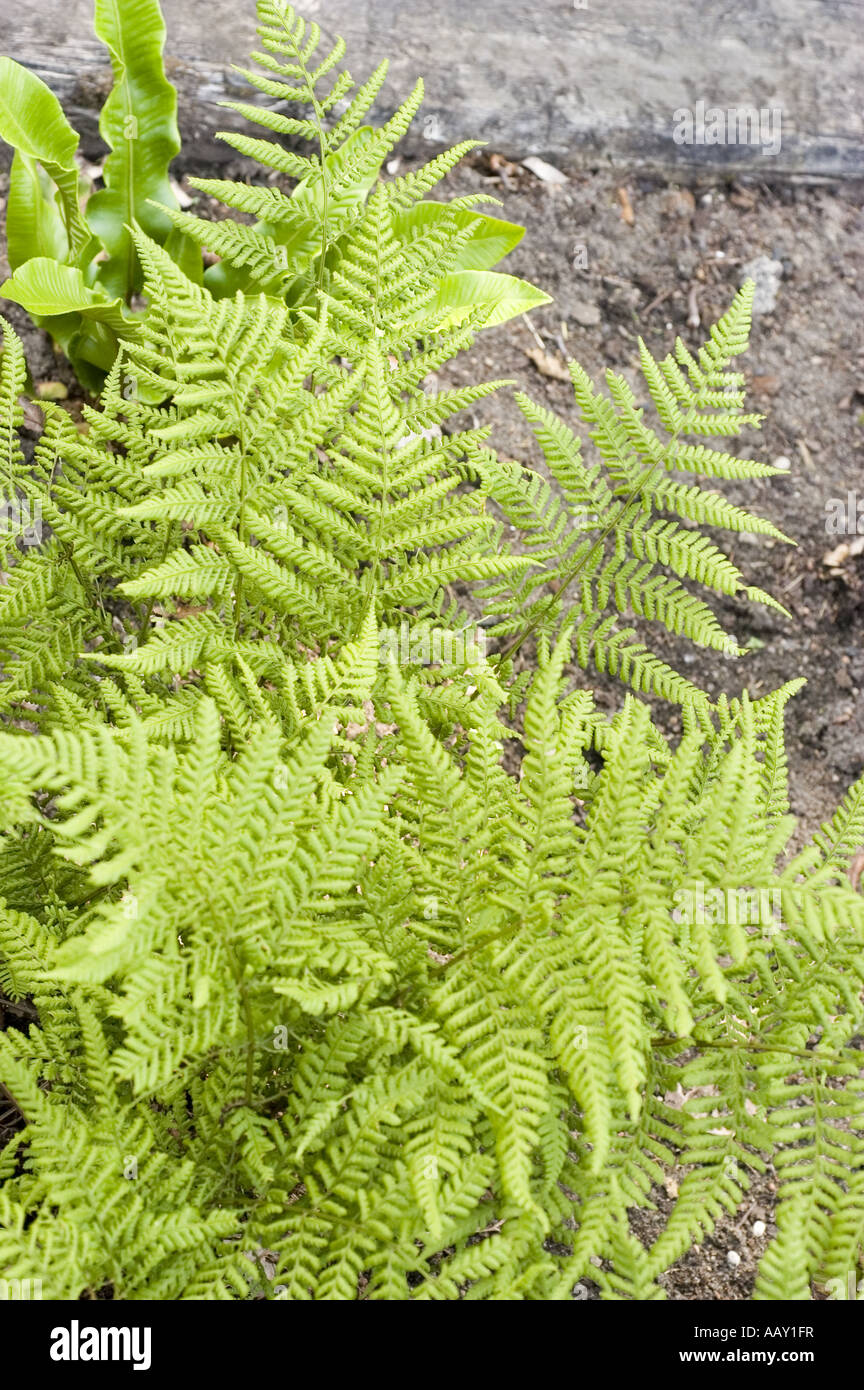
x=733, y=1258
x=767, y=274
x=758, y=1228
x=679, y=202
x=585, y=313
x=547, y=172
x=782, y=462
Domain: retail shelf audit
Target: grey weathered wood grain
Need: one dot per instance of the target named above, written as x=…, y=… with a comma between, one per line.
x=581, y=86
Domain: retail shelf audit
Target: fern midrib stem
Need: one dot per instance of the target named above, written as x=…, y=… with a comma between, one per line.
x=385, y=472
x=514, y=646
x=325, y=196
x=145, y=622
x=730, y=1045
x=241, y=524
x=382, y=511
x=90, y=591
x=322, y=148
x=238, y=972
x=249, y=1019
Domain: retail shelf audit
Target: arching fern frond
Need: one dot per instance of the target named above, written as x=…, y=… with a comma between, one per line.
x=626, y=520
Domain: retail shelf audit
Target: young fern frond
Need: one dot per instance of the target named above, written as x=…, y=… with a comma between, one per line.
x=293, y=233
x=625, y=521
x=289, y=508
x=296, y=245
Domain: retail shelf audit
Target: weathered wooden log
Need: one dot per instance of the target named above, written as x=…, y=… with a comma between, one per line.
x=579, y=82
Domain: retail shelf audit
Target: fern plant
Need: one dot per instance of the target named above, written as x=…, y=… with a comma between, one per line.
x=76, y=271
x=295, y=243
x=393, y=1025
x=299, y=477
x=314, y=988
x=621, y=530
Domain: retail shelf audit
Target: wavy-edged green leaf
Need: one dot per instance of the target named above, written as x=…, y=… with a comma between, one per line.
x=491, y=238
x=139, y=123
x=487, y=293
x=43, y=287
x=32, y=122
x=34, y=222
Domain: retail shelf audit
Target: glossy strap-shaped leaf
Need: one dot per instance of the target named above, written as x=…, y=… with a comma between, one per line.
x=32, y=122
x=139, y=123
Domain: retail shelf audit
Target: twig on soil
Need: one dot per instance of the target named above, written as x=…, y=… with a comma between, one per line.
x=659, y=299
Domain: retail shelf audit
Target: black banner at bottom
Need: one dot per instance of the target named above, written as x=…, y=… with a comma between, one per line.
x=84, y=1340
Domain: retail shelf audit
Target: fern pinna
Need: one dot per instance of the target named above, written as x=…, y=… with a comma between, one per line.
x=335, y=973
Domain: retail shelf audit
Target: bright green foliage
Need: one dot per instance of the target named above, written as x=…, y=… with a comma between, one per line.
x=77, y=272
x=624, y=536
x=300, y=477
x=297, y=242
x=320, y=990
x=358, y=1010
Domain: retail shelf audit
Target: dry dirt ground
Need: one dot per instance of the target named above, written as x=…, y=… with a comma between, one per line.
x=679, y=252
